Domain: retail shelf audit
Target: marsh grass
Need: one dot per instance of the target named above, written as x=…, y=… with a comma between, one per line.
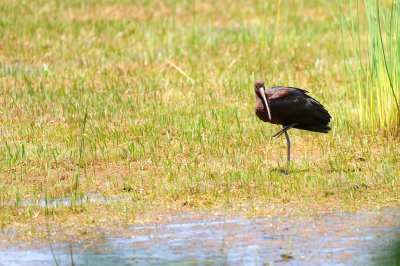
x=153, y=102
x=373, y=73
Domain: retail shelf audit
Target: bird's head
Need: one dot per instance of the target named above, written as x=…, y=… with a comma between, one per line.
x=258, y=84
x=259, y=89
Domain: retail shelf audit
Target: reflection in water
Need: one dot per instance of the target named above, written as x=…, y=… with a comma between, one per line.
x=341, y=238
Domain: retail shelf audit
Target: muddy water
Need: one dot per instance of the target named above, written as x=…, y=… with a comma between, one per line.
x=340, y=238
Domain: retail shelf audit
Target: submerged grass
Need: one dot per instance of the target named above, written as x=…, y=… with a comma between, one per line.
x=165, y=90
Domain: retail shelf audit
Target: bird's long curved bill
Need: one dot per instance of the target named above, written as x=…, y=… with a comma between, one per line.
x=262, y=92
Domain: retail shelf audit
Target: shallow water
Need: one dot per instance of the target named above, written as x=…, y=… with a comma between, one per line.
x=68, y=201
x=339, y=238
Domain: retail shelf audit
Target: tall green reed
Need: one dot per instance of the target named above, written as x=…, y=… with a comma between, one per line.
x=372, y=64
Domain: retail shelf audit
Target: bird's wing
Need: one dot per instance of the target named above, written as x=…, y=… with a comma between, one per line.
x=288, y=88
x=317, y=109
x=297, y=89
x=283, y=91
x=292, y=105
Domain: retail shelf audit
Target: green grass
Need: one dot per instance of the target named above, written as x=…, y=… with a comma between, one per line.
x=373, y=74
x=153, y=101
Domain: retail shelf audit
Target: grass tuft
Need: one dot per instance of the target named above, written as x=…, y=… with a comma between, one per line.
x=373, y=73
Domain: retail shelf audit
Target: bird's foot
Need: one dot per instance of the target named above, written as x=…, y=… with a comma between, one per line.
x=284, y=171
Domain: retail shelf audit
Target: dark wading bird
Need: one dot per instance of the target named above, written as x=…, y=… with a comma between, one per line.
x=291, y=108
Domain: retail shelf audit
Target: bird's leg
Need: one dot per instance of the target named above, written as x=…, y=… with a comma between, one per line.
x=280, y=132
x=288, y=149
x=283, y=130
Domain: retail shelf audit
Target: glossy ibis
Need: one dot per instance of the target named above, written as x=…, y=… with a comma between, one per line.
x=292, y=108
